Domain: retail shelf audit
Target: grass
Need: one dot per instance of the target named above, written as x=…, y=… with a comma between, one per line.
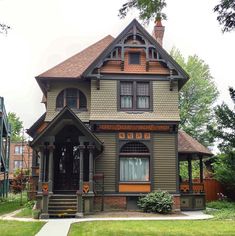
x=11, y=203
x=17, y=228
x=221, y=210
x=166, y=228
x=25, y=213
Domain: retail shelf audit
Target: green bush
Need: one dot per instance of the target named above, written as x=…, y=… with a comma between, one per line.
x=36, y=213
x=156, y=202
x=29, y=204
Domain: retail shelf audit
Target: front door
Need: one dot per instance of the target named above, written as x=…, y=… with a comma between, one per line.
x=66, y=166
x=66, y=159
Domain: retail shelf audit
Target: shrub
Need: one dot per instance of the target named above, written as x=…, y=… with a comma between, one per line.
x=29, y=204
x=156, y=202
x=35, y=213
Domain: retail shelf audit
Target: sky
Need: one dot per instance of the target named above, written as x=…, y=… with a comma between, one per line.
x=45, y=32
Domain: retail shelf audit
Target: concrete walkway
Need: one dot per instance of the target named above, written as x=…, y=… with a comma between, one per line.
x=60, y=227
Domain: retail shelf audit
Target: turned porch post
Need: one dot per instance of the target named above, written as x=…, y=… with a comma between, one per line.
x=190, y=175
x=91, y=167
x=201, y=169
x=41, y=165
x=50, y=169
x=81, y=152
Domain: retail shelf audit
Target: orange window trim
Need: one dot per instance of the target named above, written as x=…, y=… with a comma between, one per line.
x=135, y=188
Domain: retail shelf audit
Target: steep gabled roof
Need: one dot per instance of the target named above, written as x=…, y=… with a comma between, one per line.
x=164, y=54
x=74, y=66
x=189, y=145
x=66, y=111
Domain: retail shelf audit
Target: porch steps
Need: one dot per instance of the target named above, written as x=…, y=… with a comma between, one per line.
x=62, y=205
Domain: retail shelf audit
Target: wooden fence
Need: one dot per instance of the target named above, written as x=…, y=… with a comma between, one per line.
x=212, y=187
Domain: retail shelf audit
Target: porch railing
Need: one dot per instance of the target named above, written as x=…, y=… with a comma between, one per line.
x=196, y=188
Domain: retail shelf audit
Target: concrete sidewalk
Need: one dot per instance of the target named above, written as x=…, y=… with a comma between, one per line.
x=60, y=227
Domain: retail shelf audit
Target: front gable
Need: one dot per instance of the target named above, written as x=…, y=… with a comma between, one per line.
x=153, y=59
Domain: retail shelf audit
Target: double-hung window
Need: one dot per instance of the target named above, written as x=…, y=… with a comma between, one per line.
x=135, y=95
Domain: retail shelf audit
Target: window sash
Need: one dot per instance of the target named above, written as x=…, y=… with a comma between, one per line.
x=134, y=95
x=134, y=58
x=134, y=169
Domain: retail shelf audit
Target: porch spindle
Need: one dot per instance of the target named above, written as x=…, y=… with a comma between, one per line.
x=201, y=169
x=41, y=156
x=190, y=175
x=81, y=152
x=91, y=168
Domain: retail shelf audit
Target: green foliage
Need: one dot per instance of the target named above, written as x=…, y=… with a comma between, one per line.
x=226, y=14
x=29, y=204
x=224, y=169
x=35, y=213
x=148, y=9
x=197, y=98
x=16, y=126
x=221, y=210
x=4, y=28
x=156, y=202
x=225, y=129
x=184, y=169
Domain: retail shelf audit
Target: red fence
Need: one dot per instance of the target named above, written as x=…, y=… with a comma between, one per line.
x=212, y=187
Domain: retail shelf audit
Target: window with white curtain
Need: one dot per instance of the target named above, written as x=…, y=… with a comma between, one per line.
x=134, y=95
x=134, y=162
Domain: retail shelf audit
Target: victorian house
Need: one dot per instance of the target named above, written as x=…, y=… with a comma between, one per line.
x=110, y=130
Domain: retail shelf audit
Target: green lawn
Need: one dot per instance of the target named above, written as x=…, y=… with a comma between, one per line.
x=165, y=228
x=17, y=228
x=25, y=213
x=221, y=210
x=11, y=203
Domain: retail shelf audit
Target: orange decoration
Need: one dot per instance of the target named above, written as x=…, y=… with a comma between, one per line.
x=138, y=136
x=45, y=187
x=130, y=135
x=85, y=187
x=122, y=135
x=146, y=135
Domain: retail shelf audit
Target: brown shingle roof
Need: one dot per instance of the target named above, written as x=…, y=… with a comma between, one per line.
x=77, y=64
x=187, y=144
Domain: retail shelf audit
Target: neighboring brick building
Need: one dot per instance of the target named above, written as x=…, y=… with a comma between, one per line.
x=20, y=157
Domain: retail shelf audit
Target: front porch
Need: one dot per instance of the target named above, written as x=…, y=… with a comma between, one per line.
x=65, y=151
x=192, y=191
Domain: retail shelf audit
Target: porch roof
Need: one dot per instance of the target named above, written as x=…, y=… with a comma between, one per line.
x=82, y=127
x=188, y=146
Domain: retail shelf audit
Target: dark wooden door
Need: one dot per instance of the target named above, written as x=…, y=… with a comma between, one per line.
x=66, y=166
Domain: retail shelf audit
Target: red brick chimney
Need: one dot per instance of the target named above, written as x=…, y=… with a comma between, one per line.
x=158, y=31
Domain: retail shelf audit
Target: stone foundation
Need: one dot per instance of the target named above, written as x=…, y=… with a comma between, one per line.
x=176, y=203
x=110, y=203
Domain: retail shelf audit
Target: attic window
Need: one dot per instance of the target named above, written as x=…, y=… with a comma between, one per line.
x=72, y=98
x=134, y=58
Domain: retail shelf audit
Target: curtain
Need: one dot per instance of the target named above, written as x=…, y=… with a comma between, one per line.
x=134, y=169
x=126, y=94
x=142, y=95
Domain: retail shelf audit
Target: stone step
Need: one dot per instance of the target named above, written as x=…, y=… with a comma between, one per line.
x=63, y=207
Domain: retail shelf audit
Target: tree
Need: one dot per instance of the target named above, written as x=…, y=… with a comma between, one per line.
x=196, y=98
x=4, y=28
x=225, y=130
x=16, y=126
x=150, y=9
x=226, y=14
x=224, y=164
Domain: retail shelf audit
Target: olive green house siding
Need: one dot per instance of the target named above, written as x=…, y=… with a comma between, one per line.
x=56, y=88
x=106, y=163
x=164, y=162
x=104, y=103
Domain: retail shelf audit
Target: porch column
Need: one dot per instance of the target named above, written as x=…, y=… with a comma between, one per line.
x=50, y=169
x=201, y=169
x=91, y=167
x=81, y=152
x=190, y=175
x=41, y=156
